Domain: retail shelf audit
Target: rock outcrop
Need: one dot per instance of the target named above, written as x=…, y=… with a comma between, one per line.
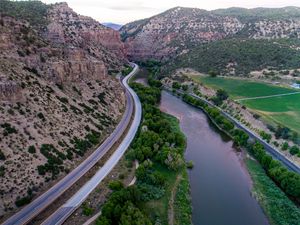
x=179, y=30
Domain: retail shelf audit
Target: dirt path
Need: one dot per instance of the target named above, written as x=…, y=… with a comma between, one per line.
x=268, y=96
x=171, y=214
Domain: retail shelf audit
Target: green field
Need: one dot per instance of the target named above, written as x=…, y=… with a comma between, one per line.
x=284, y=110
x=241, y=88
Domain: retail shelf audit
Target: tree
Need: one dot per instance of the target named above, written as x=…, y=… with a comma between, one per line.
x=176, y=85
x=222, y=94
x=294, y=150
x=212, y=73
x=133, y=216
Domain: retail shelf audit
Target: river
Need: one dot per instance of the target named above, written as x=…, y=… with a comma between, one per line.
x=220, y=183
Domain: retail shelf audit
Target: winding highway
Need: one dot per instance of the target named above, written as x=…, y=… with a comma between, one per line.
x=276, y=154
x=42, y=202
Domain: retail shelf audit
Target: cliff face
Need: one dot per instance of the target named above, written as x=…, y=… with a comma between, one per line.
x=174, y=31
x=92, y=49
x=179, y=30
x=57, y=99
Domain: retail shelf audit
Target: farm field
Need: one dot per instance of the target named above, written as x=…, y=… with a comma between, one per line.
x=241, y=88
x=283, y=110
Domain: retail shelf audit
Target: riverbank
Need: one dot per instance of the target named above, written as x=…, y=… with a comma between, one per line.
x=161, y=177
x=281, y=213
x=220, y=184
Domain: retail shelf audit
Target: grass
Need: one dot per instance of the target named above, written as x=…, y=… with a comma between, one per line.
x=158, y=209
x=241, y=88
x=182, y=204
x=283, y=110
x=277, y=206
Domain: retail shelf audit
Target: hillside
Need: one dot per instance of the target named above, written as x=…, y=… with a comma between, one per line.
x=182, y=35
x=58, y=100
x=113, y=26
x=239, y=56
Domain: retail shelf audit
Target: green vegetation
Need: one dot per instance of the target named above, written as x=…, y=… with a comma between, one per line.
x=242, y=88
x=31, y=149
x=2, y=156
x=287, y=180
x=183, y=207
x=281, y=111
x=2, y=171
x=248, y=54
x=127, y=70
x=190, y=165
x=8, y=129
x=115, y=185
x=23, y=201
x=34, y=12
x=159, y=147
x=279, y=208
x=86, y=210
x=251, y=15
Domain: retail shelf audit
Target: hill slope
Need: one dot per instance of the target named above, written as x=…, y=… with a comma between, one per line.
x=57, y=99
x=187, y=33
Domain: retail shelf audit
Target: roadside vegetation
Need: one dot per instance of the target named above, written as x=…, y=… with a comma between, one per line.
x=159, y=148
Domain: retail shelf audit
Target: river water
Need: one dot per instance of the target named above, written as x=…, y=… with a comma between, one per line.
x=220, y=183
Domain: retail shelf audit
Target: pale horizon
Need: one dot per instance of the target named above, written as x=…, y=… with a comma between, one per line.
x=122, y=12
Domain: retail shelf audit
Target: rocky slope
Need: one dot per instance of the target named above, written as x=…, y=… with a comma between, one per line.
x=180, y=30
x=57, y=97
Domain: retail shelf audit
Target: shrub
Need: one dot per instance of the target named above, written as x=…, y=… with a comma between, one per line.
x=294, y=150
x=31, y=149
x=115, y=185
x=2, y=156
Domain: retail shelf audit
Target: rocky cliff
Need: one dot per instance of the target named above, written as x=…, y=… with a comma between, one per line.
x=58, y=99
x=178, y=30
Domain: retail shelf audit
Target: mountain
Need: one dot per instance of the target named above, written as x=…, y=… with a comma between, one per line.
x=58, y=99
x=113, y=26
x=180, y=36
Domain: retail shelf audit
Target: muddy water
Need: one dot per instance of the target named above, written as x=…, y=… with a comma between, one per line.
x=220, y=184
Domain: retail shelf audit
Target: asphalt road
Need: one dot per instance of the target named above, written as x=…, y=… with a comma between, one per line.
x=59, y=216
x=276, y=154
x=31, y=210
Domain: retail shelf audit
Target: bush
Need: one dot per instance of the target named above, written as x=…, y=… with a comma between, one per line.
x=2, y=156
x=294, y=150
x=115, y=185
x=190, y=165
x=31, y=149
x=285, y=146
x=86, y=210
x=23, y=201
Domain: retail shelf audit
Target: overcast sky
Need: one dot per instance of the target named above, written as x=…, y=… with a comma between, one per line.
x=124, y=11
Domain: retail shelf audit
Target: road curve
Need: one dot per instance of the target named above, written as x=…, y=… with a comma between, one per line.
x=39, y=204
x=60, y=215
x=276, y=154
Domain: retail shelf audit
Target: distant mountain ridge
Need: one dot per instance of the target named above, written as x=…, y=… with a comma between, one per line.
x=113, y=26
x=179, y=31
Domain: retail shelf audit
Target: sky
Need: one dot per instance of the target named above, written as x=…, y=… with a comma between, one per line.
x=124, y=11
